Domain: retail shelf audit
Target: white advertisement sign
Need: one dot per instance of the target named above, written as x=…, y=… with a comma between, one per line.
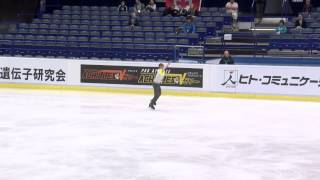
x=71, y=72
x=282, y=80
x=37, y=71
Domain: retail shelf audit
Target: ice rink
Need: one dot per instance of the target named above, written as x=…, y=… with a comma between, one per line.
x=52, y=135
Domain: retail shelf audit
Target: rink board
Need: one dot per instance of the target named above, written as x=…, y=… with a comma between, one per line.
x=239, y=81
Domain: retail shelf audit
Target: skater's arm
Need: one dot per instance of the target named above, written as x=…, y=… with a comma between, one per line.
x=167, y=66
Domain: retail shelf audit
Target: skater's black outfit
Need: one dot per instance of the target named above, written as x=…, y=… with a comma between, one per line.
x=157, y=85
x=157, y=93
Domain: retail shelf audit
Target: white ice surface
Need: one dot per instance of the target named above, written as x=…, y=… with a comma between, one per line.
x=47, y=135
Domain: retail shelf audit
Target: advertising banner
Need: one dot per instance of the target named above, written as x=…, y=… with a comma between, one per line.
x=251, y=79
x=26, y=70
x=137, y=75
x=267, y=80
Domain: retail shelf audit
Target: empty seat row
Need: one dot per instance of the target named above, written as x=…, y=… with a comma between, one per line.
x=84, y=11
x=98, y=23
x=44, y=38
x=119, y=46
x=46, y=24
x=81, y=32
x=104, y=15
x=67, y=39
x=88, y=22
x=112, y=27
x=294, y=37
x=314, y=25
x=103, y=34
x=49, y=18
x=213, y=9
x=307, y=20
x=95, y=51
x=60, y=13
x=148, y=40
x=93, y=8
x=213, y=14
x=97, y=8
x=114, y=8
x=305, y=30
x=95, y=28
x=107, y=27
x=67, y=12
x=293, y=46
x=314, y=14
x=85, y=17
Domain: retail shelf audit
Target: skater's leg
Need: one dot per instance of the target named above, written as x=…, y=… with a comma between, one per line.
x=154, y=94
x=154, y=99
x=157, y=93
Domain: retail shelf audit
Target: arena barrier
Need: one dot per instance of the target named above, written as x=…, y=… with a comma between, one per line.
x=240, y=81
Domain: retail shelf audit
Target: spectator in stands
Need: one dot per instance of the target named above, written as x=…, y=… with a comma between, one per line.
x=307, y=7
x=192, y=11
x=232, y=8
x=172, y=10
x=133, y=21
x=300, y=22
x=226, y=58
x=43, y=4
x=123, y=7
x=182, y=11
x=42, y=7
x=188, y=26
x=139, y=7
x=152, y=6
x=281, y=29
x=260, y=6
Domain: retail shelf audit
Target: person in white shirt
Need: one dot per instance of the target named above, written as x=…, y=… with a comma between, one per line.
x=232, y=8
x=152, y=6
x=139, y=7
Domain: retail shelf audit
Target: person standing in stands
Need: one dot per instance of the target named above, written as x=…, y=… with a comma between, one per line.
x=42, y=7
x=171, y=10
x=123, y=7
x=226, y=58
x=161, y=72
x=133, y=21
x=192, y=11
x=260, y=6
x=232, y=8
x=300, y=22
x=182, y=11
x=152, y=6
x=281, y=29
x=307, y=7
x=139, y=7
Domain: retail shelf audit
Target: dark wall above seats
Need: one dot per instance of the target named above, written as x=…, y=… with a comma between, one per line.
x=244, y=5
x=91, y=2
x=18, y=10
